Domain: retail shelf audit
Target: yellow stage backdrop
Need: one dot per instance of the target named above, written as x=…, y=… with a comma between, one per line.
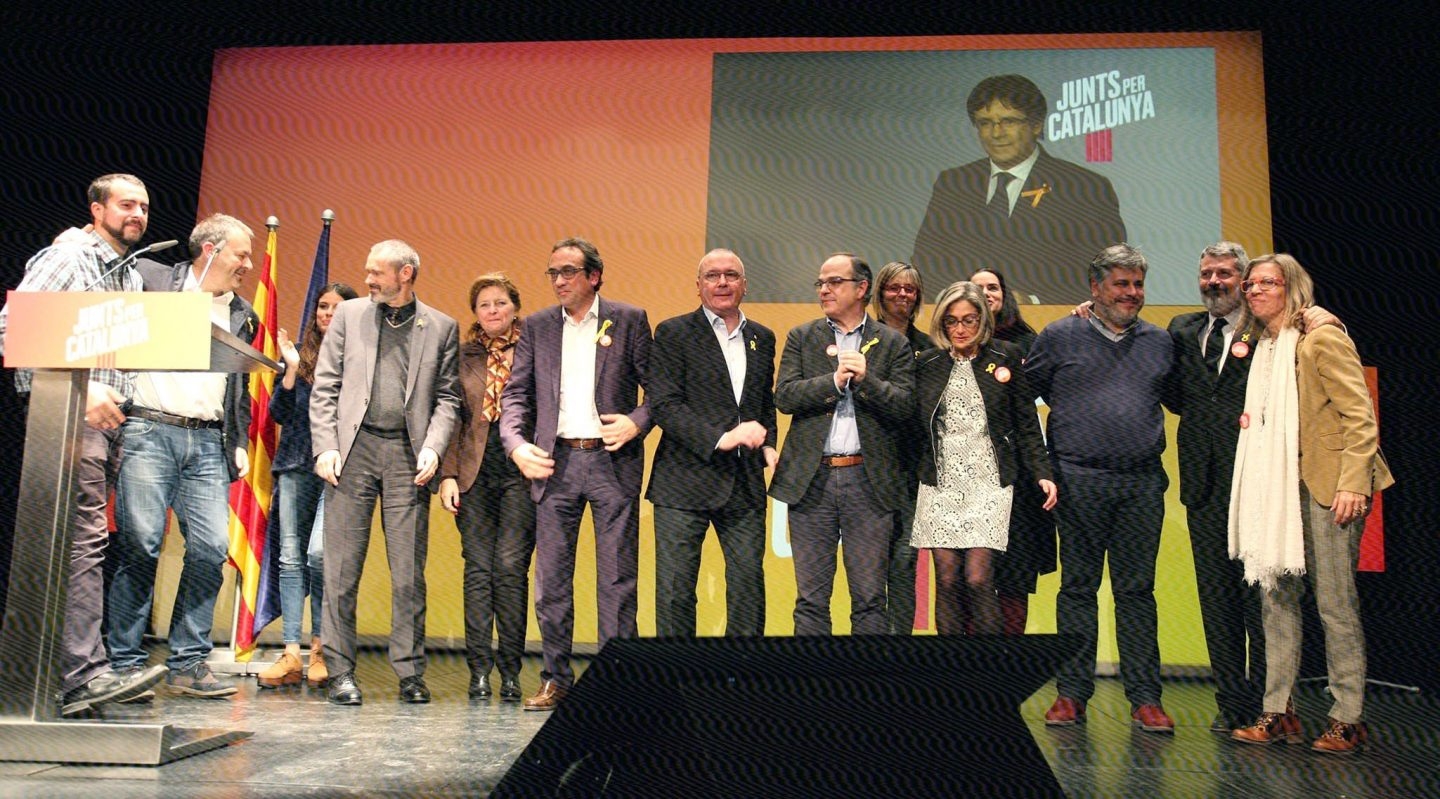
x=482, y=155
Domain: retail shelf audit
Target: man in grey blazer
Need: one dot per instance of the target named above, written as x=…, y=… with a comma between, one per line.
x=572, y=421
x=385, y=403
x=848, y=383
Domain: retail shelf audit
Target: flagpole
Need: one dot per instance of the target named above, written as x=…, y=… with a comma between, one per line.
x=222, y=659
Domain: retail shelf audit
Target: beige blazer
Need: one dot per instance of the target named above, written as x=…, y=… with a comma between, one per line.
x=1339, y=439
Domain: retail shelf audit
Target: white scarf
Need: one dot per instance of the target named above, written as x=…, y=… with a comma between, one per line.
x=1265, y=526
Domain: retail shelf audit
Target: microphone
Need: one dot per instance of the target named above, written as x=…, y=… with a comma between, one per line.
x=203, y=272
x=156, y=247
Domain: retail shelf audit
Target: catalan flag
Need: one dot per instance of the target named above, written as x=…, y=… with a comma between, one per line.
x=250, y=497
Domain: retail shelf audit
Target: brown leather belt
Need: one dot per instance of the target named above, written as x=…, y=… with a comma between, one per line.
x=581, y=443
x=838, y=461
x=171, y=419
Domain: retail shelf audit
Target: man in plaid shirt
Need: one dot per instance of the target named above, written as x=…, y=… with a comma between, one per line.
x=119, y=213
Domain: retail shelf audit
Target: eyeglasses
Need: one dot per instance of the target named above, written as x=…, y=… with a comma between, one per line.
x=894, y=288
x=715, y=277
x=1264, y=285
x=970, y=321
x=1005, y=124
x=835, y=282
x=568, y=273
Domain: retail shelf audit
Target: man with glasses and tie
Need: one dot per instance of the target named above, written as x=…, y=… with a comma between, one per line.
x=1018, y=208
x=1211, y=367
x=848, y=383
x=572, y=420
x=711, y=392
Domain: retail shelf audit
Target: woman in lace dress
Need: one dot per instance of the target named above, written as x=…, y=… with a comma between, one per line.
x=980, y=414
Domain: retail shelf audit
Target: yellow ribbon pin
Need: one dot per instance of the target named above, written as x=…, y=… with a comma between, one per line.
x=1036, y=194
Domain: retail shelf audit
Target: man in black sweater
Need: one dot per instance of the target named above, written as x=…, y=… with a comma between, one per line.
x=1104, y=379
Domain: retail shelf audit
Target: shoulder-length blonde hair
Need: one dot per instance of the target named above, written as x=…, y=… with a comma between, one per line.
x=1299, y=290
x=955, y=292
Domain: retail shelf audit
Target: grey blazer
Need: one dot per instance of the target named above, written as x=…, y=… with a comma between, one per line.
x=345, y=371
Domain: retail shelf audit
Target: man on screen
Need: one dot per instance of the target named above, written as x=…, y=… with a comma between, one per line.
x=1018, y=209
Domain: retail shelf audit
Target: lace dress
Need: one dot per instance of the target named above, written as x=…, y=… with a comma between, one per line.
x=967, y=508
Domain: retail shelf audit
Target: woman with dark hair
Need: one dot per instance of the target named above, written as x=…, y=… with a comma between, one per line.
x=1307, y=462
x=1032, y=530
x=488, y=495
x=299, y=491
x=1009, y=325
x=979, y=416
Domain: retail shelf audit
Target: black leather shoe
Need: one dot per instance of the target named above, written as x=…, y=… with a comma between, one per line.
x=111, y=686
x=479, y=686
x=414, y=691
x=510, y=689
x=343, y=690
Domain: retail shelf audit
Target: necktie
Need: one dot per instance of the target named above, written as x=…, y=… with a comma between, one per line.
x=1215, y=344
x=1000, y=201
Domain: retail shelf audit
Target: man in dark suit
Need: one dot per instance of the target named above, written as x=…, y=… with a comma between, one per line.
x=848, y=383
x=1212, y=364
x=572, y=421
x=1018, y=208
x=185, y=442
x=385, y=403
x=711, y=392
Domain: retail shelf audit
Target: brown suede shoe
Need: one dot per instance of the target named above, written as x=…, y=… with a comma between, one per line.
x=1341, y=738
x=548, y=697
x=1270, y=728
x=317, y=674
x=284, y=671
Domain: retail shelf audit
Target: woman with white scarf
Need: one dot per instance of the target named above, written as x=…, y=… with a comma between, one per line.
x=1305, y=467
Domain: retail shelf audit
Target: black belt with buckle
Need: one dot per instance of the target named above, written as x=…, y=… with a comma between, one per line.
x=581, y=443
x=162, y=417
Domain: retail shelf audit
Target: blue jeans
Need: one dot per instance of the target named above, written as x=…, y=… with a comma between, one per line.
x=301, y=565
x=168, y=467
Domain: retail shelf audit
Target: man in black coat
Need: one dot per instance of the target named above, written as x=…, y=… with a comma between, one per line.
x=711, y=393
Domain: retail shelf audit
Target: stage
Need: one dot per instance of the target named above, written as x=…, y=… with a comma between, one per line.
x=302, y=746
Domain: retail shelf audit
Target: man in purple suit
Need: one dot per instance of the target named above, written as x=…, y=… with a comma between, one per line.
x=572, y=421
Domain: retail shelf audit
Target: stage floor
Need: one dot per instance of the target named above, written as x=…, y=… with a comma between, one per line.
x=303, y=747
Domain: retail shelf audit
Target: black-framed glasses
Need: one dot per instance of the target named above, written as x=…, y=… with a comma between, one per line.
x=729, y=276
x=969, y=321
x=835, y=282
x=568, y=273
x=1264, y=285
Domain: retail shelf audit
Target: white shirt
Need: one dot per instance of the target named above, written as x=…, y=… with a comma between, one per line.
x=732, y=345
x=197, y=395
x=578, y=417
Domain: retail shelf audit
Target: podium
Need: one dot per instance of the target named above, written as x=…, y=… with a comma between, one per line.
x=62, y=335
